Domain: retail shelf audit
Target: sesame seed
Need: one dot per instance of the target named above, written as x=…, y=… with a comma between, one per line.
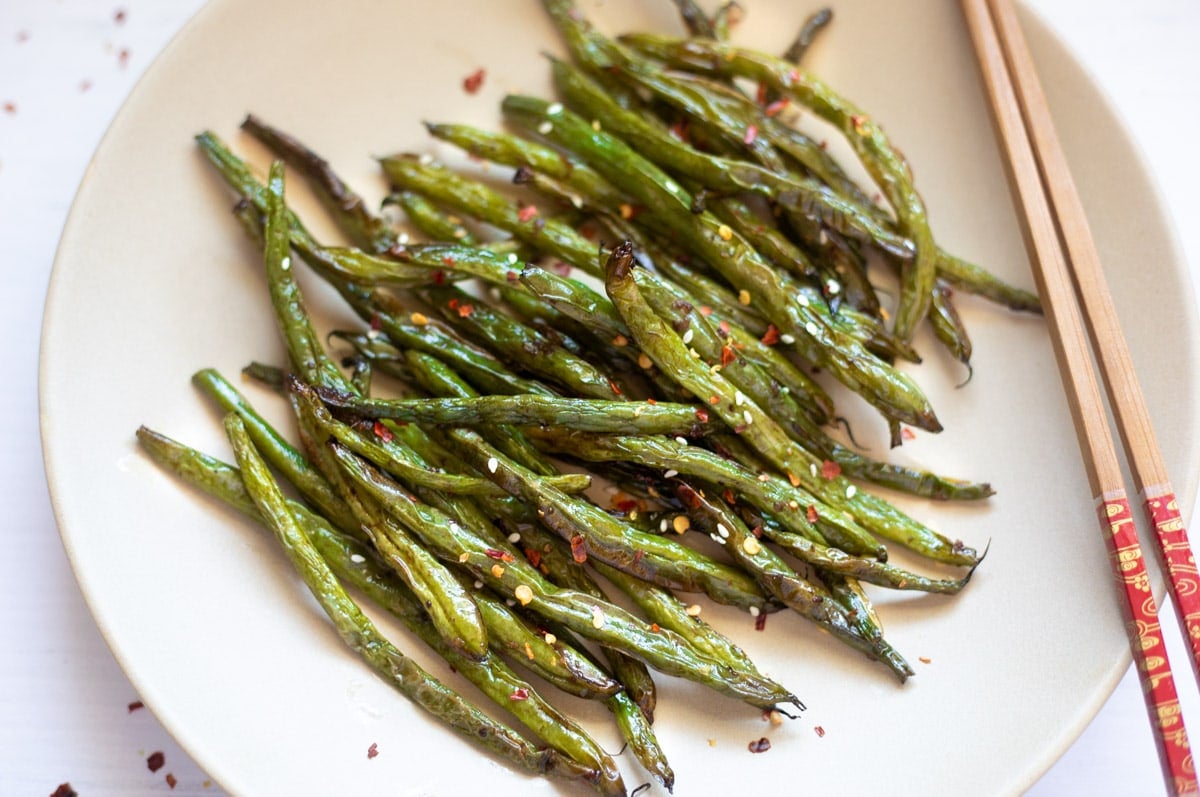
x=739, y=398
x=717, y=539
x=724, y=532
x=811, y=328
x=786, y=339
x=725, y=232
x=670, y=474
x=523, y=593
x=755, y=611
x=425, y=159
x=512, y=258
x=695, y=354
x=514, y=537
x=509, y=602
x=644, y=361
x=823, y=238
x=663, y=525
x=747, y=417
x=751, y=546
x=833, y=287
x=597, y=617
x=596, y=125
x=673, y=187
x=681, y=440
x=420, y=319
x=851, y=491
x=286, y=263
x=550, y=638
x=492, y=464
x=402, y=238
x=464, y=556
x=497, y=570
x=775, y=718
x=460, y=233
x=687, y=336
x=544, y=128
x=693, y=610
x=554, y=109
x=681, y=523
x=357, y=558
x=478, y=585
x=802, y=300
x=813, y=469
x=744, y=296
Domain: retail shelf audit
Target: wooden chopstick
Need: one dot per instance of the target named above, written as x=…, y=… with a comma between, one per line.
x=1052, y=273
x=1112, y=352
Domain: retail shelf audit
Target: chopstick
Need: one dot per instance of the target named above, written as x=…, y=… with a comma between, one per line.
x=1027, y=135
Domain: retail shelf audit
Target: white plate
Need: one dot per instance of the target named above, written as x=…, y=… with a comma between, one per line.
x=154, y=281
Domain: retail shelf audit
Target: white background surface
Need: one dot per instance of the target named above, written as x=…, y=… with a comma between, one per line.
x=65, y=67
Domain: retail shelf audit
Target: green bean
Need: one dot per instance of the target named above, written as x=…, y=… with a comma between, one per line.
x=591, y=415
x=876, y=152
x=815, y=23
x=664, y=346
x=889, y=390
x=362, y=636
x=595, y=533
x=590, y=617
x=798, y=594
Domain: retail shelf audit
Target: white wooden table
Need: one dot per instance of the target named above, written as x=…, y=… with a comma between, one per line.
x=66, y=66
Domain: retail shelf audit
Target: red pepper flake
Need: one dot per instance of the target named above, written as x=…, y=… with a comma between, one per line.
x=811, y=514
x=447, y=261
x=751, y=135
x=65, y=790
x=771, y=336
x=22, y=37
x=155, y=761
x=10, y=107
x=760, y=622
x=907, y=434
x=615, y=387
x=714, y=400
x=705, y=310
x=877, y=198
x=702, y=415
x=123, y=57
x=776, y=107
x=512, y=276
x=757, y=531
x=830, y=469
x=655, y=627
x=680, y=130
x=578, y=549
x=503, y=556
x=563, y=268
x=472, y=82
x=794, y=479
x=638, y=554
x=723, y=328
x=135, y=705
x=527, y=212
x=819, y=730
x=372, y=751
x=520, y=693
x=465, y=310
x=439, y=276
x=651, y=401
x=120, y=16
x=171, y=781
x=85, y=85
x=376, y=324
x=760, y=94
x=382, y=432
x=760, y=745
x=924, y=659
x=625, y=505
x=793, y=76
x=824, y=144
x=534, y=556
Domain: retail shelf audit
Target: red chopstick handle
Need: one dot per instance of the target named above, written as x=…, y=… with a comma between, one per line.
x=1149, y=652
x=1179, y=562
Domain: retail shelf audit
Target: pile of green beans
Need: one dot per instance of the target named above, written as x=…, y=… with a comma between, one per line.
x=660, y=331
